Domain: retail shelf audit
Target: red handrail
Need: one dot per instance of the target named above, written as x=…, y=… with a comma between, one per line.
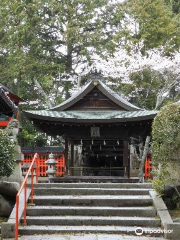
x=24, y=185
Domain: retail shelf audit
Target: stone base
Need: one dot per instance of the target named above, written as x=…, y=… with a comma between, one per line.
x=134, y=172
x=8, y=228
x=172, y=231
x=16, y=176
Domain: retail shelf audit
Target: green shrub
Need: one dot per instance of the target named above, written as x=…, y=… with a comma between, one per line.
x=166, y=144
x=7, y=153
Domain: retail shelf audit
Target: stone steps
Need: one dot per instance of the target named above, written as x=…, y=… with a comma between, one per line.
x=104, y=208
x=94, y=179
x=93, y=211
x=34, y=230
x=94, y=185
x=94, y=200
x=89, y=191
x=92, y=221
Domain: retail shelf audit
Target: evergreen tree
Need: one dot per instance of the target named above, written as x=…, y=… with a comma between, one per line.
x=28, y=54
x=43, y=44
x=85, y=28
x=155, y=24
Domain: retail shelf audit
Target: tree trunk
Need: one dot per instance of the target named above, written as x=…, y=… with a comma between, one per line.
x=41, y=90
x=69, y=62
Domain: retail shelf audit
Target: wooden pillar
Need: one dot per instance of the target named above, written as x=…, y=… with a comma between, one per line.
x=72, y=158
x=66, y=157
x=126, y=158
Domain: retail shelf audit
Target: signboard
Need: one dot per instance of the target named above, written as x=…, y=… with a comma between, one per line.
x=95, y=132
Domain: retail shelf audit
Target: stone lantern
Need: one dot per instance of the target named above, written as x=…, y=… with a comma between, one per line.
x=51, y=162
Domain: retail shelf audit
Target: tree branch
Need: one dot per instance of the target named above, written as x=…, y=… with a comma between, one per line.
x=41, y=90
x=166, y=89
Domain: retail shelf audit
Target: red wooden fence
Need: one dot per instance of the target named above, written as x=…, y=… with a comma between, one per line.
x=41, y=165
x=148, y=167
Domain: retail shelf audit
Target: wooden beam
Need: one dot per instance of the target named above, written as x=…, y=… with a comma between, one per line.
x=106, y=149
x=66, y=156
x=126, y=157
x=72, y=158
x=109, y=154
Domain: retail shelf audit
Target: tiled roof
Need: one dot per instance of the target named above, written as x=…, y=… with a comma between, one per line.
x=68, y=116
x=73, y=97
x=102, y=87
x=117, y=96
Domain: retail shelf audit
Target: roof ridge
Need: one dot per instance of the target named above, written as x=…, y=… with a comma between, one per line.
x=114, y=96
x=71, y=98
x=114, y=92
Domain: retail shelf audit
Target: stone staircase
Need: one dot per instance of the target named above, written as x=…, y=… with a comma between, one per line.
x=116, y=208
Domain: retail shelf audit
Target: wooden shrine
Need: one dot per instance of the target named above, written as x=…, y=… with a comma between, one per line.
x=97, y=126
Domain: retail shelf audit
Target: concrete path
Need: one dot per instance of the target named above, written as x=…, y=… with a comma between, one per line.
x=86, y=237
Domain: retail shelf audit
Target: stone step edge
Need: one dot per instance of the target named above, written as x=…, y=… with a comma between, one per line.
x=95, y=197
x=69, y=217
x=89, y=183
x=103, y=189
x=89, y=208
x=34, y=229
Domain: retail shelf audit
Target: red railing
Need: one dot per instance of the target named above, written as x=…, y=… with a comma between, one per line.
x=24, y=186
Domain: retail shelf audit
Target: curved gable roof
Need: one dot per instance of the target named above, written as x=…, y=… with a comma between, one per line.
x=7, y=107
x=120, y=101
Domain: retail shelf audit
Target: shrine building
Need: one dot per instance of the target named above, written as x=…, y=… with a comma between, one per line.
x=8, y=106
x=98, y=127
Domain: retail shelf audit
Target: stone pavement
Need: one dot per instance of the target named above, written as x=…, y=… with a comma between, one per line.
x=86, y=237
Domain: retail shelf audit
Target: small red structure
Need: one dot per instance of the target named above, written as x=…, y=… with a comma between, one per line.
x=8, y=106
x=43, y=155
x=148, y=167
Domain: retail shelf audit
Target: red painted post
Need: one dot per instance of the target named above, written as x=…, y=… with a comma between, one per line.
x=36, y=170
x=17, y=217
x=24, y=185
x=32, y=176
x=25, y=199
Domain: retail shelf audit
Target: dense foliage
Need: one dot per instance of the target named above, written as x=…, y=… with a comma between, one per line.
x=156, y=24
x=43, y=43
x=166, y=137
x=166, y=143
x=7, y=153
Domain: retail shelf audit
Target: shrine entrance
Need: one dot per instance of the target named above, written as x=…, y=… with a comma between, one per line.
x=103, y=158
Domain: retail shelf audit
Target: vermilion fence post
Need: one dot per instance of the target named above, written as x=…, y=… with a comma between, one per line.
x=32, y=176
x=25, y=200
x=17, y=217
x=37, y=169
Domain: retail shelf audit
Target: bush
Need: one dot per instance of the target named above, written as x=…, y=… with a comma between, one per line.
x=166, y=134
x=166, y=145
x=7, y=154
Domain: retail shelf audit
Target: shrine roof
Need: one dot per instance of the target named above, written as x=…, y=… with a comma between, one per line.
x=115, y=97
x=10, y=93
x=7, y=106
x=91, y=116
